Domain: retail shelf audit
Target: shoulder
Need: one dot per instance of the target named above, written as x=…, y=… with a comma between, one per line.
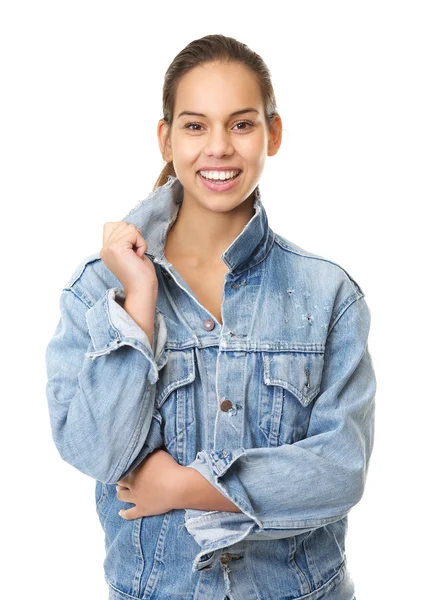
x=80, y=268
x=328, y=278
x=90, y=279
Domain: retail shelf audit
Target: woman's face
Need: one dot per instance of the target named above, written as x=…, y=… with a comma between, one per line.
x=215, y=138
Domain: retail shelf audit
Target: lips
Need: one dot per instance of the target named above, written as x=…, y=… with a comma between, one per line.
x=219, y=185
x=228, y=170
x=220, y=180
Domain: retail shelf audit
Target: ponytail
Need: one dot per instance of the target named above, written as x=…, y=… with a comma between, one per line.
x=163, y=177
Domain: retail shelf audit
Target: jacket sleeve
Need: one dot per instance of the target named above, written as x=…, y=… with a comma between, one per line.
x=290, y=489
x=101, y=379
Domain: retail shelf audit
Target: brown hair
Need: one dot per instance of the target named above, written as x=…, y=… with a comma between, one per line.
x=213, y=48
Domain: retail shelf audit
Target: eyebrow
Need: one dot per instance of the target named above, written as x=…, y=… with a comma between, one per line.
x=234, y=114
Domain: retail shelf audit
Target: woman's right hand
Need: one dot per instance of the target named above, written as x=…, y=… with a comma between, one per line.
x=123, y=253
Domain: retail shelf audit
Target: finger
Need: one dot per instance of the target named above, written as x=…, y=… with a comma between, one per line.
x=130, y=514
x=109, y=228
x=132, y=234
x=124, y=494
x=125, y=481
x=121, y=487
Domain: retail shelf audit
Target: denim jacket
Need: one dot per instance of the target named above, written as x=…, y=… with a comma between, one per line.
x=275, y=408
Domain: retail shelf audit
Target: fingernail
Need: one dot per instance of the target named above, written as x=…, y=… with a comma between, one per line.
x=121, y=513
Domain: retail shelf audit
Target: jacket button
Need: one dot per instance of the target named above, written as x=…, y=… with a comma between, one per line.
x=225, y=558
x=226, y=405
x=208, y=324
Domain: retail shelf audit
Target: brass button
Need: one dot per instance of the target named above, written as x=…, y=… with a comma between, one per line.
x=225, y=558
x=226, y=405
x=208, y=324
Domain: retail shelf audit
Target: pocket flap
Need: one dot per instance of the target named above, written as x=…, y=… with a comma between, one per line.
x=179, y=370
x=298, y=372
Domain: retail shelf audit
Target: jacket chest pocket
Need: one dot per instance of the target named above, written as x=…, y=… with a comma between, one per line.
x=291, y=383
x=175, y=394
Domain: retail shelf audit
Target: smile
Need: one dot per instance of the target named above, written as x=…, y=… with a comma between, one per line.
x=226, y=181
x=219, y=175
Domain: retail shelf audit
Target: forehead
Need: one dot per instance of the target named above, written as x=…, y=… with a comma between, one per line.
x=218, y=89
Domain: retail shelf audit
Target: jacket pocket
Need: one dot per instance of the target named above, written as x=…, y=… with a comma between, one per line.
x=291, y=383
x=175, y=394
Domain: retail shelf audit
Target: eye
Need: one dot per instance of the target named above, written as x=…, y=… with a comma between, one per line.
x=189, y=125
x=194, y=126
x=243, y=123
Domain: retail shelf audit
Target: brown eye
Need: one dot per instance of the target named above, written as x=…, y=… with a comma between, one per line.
x=189, y=125
x=243, y=123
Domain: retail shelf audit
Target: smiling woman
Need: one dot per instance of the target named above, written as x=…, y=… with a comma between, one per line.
x=220, y=151
x=211, y=375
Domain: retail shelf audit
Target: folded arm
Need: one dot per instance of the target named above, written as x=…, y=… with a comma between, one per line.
x=102, y=373
x=285, y=490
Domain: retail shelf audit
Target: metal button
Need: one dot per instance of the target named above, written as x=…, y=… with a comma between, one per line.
x=208, y=324
x=225, y=558
x=226, y=405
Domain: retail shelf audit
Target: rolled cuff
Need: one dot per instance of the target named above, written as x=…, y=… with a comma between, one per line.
x=111, y=326
x=213, y=530
x=213, y=466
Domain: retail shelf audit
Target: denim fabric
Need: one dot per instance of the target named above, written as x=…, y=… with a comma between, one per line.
x=275, y=408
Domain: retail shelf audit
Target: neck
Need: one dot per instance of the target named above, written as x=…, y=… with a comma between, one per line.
x=199, y=236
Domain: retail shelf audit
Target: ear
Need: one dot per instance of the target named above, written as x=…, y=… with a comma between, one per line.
x=275, y=135
x=164, y=139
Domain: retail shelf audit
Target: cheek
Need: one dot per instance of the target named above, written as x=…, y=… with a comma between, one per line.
x=187, y=158
x=186, y=149
x=253, y=146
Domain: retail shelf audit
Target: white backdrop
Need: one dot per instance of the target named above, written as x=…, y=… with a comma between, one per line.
x=80, y=101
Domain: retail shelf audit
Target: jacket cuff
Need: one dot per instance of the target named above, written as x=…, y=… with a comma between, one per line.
x=213, y=530
x=216, y=464
x=110, y=326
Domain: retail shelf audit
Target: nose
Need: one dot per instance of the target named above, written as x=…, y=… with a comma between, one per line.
x=218, y=143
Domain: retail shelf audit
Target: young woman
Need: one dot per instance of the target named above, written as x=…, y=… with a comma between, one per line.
x=212, y=376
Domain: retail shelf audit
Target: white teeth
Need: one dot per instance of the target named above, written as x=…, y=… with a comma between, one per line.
x=218, y=174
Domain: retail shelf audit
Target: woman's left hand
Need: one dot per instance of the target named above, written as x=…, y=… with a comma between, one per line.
x=154, y=486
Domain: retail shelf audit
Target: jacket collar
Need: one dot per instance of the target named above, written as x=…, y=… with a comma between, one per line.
x=155, y=214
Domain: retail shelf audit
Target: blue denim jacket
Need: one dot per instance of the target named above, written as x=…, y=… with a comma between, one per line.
x=275, y=408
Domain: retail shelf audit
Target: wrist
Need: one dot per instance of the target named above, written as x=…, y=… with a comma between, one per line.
x=180, y=487
x=144, y=291
x=195, y=491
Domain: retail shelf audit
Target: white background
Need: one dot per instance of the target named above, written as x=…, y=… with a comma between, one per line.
x=80, y=101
